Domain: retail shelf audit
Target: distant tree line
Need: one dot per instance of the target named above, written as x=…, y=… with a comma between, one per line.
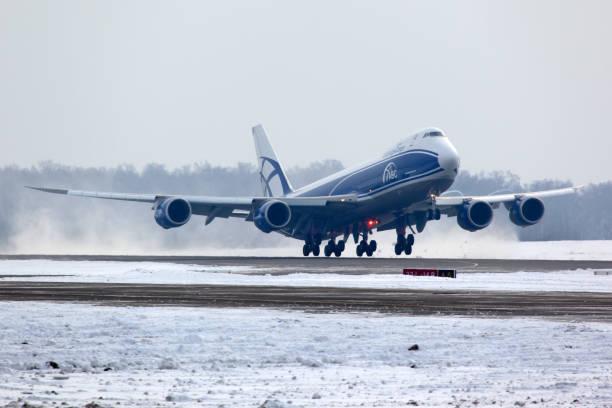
x=29, y=218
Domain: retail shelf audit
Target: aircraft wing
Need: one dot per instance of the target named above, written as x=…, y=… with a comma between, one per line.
x=445, y=202
x=452, y=205
x=222, y=207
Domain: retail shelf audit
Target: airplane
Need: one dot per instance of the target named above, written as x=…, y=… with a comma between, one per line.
x=401, y=190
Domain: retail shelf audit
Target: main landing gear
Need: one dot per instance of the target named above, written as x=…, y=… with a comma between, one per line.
x=312, y=245
x=336, y=248
x=313, y=241
x=364, y=247
x=404, y=244
x=310, y=248
x=333, y=248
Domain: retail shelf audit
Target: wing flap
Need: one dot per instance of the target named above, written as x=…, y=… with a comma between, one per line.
x=310, y=201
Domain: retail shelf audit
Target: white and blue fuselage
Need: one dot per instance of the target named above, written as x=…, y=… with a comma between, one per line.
x=419, y=166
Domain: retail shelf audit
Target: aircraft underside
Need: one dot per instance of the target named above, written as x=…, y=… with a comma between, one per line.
x=361, y=224
x=360, y=233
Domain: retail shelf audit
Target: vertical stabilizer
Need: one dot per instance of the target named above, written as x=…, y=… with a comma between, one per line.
x=274, y=181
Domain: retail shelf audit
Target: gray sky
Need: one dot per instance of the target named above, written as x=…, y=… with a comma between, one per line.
x=517, y=85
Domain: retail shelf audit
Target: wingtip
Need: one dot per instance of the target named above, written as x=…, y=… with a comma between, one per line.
x=258, y=129
x=49, y=190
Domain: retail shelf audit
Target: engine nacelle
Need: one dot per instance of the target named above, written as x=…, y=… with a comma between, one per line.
x=271, y=216
x=172, y=213
x=475, y=215
x=526, y=211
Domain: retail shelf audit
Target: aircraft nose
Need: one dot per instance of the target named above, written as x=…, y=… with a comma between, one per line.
x=449, y=160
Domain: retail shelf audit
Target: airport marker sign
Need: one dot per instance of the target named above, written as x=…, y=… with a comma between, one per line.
x=440, y=273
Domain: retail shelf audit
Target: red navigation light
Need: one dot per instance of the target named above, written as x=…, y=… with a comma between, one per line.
x=371, y=223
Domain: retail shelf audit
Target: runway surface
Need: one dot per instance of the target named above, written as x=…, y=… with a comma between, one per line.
x=353, y=266
x=563, y=305
x=567, y=305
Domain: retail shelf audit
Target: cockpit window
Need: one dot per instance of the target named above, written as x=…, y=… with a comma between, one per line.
x=413, y=140
x=435, y=133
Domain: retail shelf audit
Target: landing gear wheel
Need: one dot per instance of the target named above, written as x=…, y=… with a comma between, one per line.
x=410, y=240
x=400, y=244
x=409, y=244
x=401, y=240
x=316, y=250
x=330, y=248
x=341, y=245
x=398, y=249
x=337, y=252
x=359, y=250
x=367, y=248
x=306, y=249
x=373, y=246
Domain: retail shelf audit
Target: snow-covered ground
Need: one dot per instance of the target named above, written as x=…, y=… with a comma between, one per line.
x=210, y=357
x=151, y=272
x=185, y=357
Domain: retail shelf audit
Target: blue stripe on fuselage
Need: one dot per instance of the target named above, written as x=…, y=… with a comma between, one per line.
x=407, y=180
x=406, y=166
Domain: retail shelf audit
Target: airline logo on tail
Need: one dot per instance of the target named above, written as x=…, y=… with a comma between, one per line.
x=276, y=171
x=274, y=181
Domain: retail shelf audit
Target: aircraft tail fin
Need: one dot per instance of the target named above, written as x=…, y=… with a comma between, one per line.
x=274, y=181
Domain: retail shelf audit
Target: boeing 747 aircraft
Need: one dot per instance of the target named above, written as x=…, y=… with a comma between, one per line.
x=401, y=190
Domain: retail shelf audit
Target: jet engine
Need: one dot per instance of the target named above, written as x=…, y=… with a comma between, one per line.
x=526, y=211
x=172, y=213
x=475, y=215
x=272, y=215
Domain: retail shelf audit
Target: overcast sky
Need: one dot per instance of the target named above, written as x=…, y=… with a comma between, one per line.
x=517, y=85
